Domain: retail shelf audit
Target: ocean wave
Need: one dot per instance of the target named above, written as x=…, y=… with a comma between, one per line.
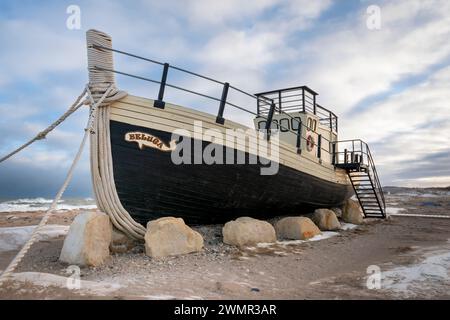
x=42, y=204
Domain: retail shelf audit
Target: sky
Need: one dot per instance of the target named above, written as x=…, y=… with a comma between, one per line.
x=387, y=79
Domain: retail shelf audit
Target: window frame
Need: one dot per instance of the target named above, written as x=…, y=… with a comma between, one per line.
x=285, y=126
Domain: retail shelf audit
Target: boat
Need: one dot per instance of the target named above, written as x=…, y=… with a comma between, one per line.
x=135, y=152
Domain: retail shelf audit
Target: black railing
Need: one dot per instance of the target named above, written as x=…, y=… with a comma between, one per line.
x=357, y=153
x=298, y=99
x=279, y=106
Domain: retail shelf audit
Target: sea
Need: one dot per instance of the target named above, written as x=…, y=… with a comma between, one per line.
x=42, y=204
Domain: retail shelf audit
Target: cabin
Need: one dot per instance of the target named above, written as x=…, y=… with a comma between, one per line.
x=299, y=120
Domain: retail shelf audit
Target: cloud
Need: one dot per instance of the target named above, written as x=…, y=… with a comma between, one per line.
x=349, y=63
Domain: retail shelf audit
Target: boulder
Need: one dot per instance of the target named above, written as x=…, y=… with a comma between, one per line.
x=352, y=212
x=88, y=240
x=337, y=211
x=170, y=236
x=248, y=231
x=296, y=228
x=326, y=220
x=120, y=242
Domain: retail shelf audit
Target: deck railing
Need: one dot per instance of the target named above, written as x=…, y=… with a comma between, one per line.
x=297, y=99
x=271, y=104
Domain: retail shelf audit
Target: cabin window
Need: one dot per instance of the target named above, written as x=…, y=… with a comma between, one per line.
x=295, y=123
x=312, y=124
x=284, y=125
x=274, y=125
x=262, y=125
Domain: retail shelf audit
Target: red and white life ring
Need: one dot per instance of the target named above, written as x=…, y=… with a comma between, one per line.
x=310, y=143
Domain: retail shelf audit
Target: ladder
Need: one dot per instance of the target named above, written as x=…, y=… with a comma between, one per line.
x=357, y=160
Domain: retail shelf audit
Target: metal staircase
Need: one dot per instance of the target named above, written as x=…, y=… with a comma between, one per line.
x=357, y=160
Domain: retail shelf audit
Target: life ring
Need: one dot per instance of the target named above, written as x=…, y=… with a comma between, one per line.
x=310, y=143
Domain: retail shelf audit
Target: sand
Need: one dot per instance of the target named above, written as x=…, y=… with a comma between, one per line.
x=413, y=255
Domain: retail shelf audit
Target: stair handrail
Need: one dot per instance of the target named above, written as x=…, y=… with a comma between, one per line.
x=370, y=163
x=376, y=178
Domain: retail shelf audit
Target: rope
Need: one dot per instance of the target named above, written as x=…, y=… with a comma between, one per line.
x=21, y=254
x=100, y=61
x=42, y=135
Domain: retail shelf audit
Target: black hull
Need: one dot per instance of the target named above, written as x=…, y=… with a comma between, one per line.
x=150, y=186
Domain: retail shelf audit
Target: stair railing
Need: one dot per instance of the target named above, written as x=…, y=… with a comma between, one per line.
x=359, y=158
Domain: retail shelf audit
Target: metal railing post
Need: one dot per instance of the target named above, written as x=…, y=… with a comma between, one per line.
x=160, y=102
x=314, y=104
x=331, y=121
x=279, y=101
x=269, y=120
x=333, y=148
x=257, y=105
x=303, y=99
x=319, y=146
x=223, y=101
x=299, y=137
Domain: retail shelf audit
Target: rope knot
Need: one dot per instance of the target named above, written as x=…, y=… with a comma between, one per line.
x=41, y=135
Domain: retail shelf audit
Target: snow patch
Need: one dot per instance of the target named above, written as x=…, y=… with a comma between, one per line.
x=409, y=281
x=47, y=280
x=13, y=238
x=323, y=236
x=159, y=297
x=348, y=226
x=392, y=210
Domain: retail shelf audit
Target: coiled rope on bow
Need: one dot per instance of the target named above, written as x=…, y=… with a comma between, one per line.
x=102, y=173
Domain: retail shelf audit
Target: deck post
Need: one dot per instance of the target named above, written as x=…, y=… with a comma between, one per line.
x=223, y=101
x=345, y=156
x=269, y=120
x=160, y=102
x=299, y=137
x=331, y=121
x=303, y=99
x=257, y=105
x=279, y=101
x=314, y=104
x=333, y=157
x=319, y=146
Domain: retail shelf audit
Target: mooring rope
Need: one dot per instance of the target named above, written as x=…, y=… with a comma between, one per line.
x=42, y=135
x=88, y=130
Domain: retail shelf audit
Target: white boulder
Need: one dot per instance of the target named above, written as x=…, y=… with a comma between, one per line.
x=296, y=228
x=326, y=220
x=88, y=240
x=352, y=212
x=248, y=231
x=171, y=236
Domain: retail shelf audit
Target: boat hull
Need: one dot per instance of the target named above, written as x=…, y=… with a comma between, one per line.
x=149, y=185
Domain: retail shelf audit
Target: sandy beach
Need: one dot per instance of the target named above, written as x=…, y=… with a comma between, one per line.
x=413, y=255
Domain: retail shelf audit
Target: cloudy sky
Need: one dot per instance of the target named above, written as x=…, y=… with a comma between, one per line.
x=389, y=85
